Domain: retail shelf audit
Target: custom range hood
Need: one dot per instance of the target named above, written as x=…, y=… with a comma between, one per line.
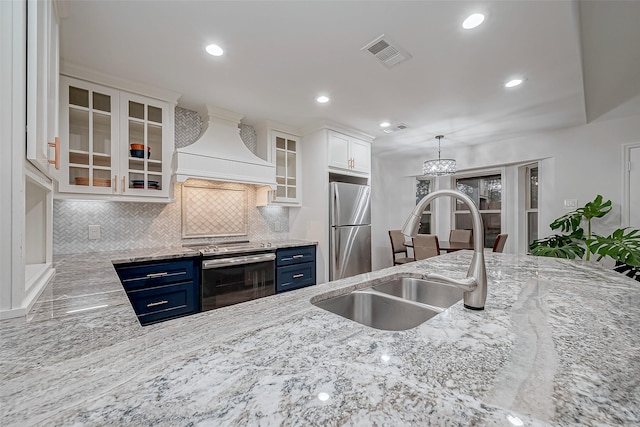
x=220, y=155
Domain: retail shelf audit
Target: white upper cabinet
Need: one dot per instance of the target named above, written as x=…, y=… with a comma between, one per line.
x=89, y=129
x=287, y=149
x=147, y=144
x=349, y=154
x=42, y=84
x=114, y=143
x=281, y=146
x=339, y=151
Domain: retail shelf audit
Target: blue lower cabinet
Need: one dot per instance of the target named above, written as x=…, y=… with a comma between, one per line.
x=162, y=290
x=136, y=276
x=296, y=255
x=295, y=276
x=296, y=268
x=164, y=302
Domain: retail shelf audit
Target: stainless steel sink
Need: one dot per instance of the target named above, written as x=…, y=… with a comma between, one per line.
x=395, y=305
x=378, y=311
x=434, y=294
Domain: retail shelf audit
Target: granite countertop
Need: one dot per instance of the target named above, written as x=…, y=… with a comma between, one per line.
x=556, y=345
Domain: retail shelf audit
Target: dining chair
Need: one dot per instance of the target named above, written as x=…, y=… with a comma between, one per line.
x=498, y=245
x=465, y=236
x=425, y=246
x=398, y=247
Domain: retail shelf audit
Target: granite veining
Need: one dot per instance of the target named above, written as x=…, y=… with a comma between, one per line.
x=557, y=344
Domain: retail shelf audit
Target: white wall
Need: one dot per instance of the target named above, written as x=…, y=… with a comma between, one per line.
x=393, y=197
x=581, y=162
x=12, y=141
x=576, y=163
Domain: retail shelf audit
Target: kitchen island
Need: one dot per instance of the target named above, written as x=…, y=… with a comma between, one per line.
x=556, y=345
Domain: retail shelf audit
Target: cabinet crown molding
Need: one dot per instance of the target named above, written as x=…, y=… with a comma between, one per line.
x=337, y=127
x=276, y=126
x=93, y=76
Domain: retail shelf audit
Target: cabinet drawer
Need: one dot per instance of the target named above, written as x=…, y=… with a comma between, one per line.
x=161, y=273
x=295, y=276
x=159, y=303
x=297, y=255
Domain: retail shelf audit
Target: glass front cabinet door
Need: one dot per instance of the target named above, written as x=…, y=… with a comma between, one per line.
x=89, y=131
x=144, y=165
x=286, y=156
x=113, y=142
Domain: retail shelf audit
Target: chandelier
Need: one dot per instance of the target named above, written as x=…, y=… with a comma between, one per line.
x=439, y=167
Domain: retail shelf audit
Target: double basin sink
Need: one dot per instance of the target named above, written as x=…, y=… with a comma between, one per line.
x=394, y=305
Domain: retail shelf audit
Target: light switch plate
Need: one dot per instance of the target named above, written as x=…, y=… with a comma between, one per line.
x=94, y=232
x=570, y=203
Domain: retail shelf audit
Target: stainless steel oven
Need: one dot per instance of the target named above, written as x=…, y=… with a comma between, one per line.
x=233, y=278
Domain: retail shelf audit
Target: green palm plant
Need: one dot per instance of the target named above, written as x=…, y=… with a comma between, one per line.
x=623, y=245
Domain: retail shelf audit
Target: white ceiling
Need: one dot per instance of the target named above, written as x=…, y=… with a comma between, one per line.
x=281, y=55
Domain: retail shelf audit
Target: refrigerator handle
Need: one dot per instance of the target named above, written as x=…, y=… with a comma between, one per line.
x=336, y=204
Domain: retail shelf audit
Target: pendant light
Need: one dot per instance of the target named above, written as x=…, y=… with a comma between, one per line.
x=439, y=167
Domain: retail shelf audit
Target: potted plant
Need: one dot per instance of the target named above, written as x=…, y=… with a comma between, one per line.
x=623, y=245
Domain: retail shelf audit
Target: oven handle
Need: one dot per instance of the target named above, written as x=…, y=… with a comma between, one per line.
x=239, y=260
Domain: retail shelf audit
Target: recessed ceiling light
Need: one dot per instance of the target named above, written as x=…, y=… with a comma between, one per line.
x=473, y=21
x=513, y=83
x=385, y=124
x=322, y=99
x=214, y=49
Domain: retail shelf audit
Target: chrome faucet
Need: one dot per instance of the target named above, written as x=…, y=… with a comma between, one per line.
x=475, y=284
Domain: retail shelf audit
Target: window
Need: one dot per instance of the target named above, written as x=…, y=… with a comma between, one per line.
x=486, y=192
x=531, y=207
x=423, y=187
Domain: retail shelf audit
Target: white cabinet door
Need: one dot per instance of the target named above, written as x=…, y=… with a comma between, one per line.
x=349, y=153
x=145, y=144
x=42, y=83
x=89, y=129
x=287, y=154
x=634, y=187
x=360, y=153
x=338, y=150
x=282, y=147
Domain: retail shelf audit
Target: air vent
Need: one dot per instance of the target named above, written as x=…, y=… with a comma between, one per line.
x=387, y=52
x=395, y=128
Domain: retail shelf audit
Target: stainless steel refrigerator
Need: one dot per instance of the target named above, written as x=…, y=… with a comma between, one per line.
x=350, y=232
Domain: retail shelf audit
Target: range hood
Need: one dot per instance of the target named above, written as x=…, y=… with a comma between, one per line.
x=219, y=154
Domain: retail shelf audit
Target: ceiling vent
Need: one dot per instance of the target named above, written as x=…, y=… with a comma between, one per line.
x=387, y=52
x=395, y=128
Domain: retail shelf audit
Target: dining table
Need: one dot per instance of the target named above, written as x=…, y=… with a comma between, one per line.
x=448, y=246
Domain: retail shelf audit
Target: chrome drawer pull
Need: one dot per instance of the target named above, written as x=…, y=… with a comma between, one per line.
x=154, y=275
x=298, y=256
x=153, y=304
x=297, y=276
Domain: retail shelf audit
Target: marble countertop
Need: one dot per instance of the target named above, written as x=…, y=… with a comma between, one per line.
x=140, y=255
x=557, y=344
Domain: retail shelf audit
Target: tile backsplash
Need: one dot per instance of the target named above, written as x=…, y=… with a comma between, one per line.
x=129, y=225
x=132, y=225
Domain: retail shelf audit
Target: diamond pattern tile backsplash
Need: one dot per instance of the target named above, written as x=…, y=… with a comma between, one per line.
x=132, y=225
x=212, y=211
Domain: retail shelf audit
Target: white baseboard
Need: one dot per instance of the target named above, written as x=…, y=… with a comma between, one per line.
x=39, y=279
x=13, y=313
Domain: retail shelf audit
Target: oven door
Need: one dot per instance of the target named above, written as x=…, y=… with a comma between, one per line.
x=231, y=280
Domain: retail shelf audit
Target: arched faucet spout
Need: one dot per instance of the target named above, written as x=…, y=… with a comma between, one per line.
x=475, y=285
